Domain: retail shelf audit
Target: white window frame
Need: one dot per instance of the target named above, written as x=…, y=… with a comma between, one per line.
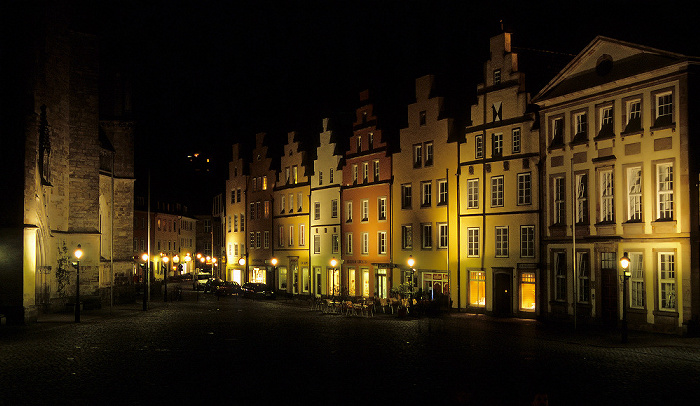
x=348, y=211
x=473, y=193
x=479, y=146
x=497, y=191
x=559, y=197
x=407, y=236
x=428, y=153
x=501, y=240
x=426, y=231
x=607, y=196
x=527, y=241
x=406, y=196
x=583, y=269
x=664, y=104
x=497, y=144
x=291, y=235
x=442, y=191
x=524, y=189
x=365, y=244
x=348, y=243
x=473, y=242
x=634, y=193
x=667, y=281
x=417, y=155
x=381, y=208
x=354, y=173
x=634, y=110
x=302, y=234
x=581, y=198
x=317, y=210
x=266, y=239
x=516, y=140
x=664, y=191
x=443, y=237
x=317, y=243
x=581, y=123
x=365, y=172
x=637, y=286
x=426, y=193
x=334, y=208
x=381, y=243
x=365, y=210
x=335, y=243
x=376, y=170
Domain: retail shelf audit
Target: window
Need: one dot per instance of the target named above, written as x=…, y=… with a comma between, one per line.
x=334, y=208
x=606, y=120
x=581, y=127
x=406, y=196
x=365, y=172
x=427, y=193
x=381, y=242
x=320, y=178
x=365, y=210
x=422, y=117
x=559, y=262
x=238, y=195
x=264, y=183
x=330, y=175
x=267, y=209
x=381, y=208
x=300, y=201
x=559, y=209
x=291, y=236
x=442, y=191
x=317, y=243
x=266, y=239
x=335, y=243
x=428, y=153
x=295, y=174
x=479, y=146
x=376, y=170
x=472, y=242
x=477, y=288
x=302, y=234
x=427, y=235
x=235, y=250
x=664, y=191
x=351, y=282
x=497, y=140
x=359, y=143
x=607, y=207
x=637, y=291
x=280, y=240
x=207, y=225
x=634, y=194
x=348, y=240
x=524, y=189
x=527, y=291
x=582, y=198
x=667, y=281
x=371, y=141
x=365, y=243
x=664, y=109
x=255, y=184
x=442, y=235
x=257, y=239
x=354, y=173
x=417, y=155
x=229, y=224
x=282, y=205
x=584, y=277
x=634, y=115
x=516, y=140
x=252, y=239
x=527, y=241
x=286, y=175
x=501, y=241
x=406, y=236
x=496, y=76
x=233, y=196
x=242, y=223
x=497, y=191
x=258, y=211
x=348, y=212
x=472, y=193
x=558, y=131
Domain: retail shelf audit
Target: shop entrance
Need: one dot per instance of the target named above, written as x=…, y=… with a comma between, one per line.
x=608, y=300
x=502, y=293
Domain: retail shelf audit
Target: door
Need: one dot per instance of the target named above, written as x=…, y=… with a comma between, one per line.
x=608, y=300
x=502, y=294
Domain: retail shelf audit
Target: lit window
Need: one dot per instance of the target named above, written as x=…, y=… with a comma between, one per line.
x=359, y=143
x=527, y=291
x=295, y=174
x=267, y=208
x=477, y=288
x=664, y=191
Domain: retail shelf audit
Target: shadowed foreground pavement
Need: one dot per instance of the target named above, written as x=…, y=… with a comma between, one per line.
x=275, y=352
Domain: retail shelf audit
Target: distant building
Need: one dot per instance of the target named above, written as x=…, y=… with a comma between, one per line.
x=69, y=170
x=235, y=202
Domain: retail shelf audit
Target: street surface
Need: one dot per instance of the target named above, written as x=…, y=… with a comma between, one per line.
x=241, y=352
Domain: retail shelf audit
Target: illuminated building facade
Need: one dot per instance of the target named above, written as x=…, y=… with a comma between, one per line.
x=325, y=212
x=256, y=219
x=291, y=220
x=424, y=174
x=365, y=209
x=499, y=193
x=235, y=197
x=616, y=133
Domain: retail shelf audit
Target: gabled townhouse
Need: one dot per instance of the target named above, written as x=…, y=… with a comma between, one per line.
x=424, y=182
x=234, y=196
x=499, y=193
x=366, y=203
x=291, y=219
x=325, y=227
x=616, y=131
x=256, y=219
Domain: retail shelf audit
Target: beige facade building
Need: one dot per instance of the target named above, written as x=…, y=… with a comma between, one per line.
x=235, y=200
x=424, y=198
x=499, y=193
x=325, y=211
x=291, y=220
x=617, y=138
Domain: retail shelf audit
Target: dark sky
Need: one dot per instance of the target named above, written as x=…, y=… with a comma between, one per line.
x=208, y=74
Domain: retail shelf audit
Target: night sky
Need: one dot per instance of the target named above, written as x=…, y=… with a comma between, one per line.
x=207, y=74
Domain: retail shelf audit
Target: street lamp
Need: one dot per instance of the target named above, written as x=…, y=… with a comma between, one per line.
x=146, y=266
x=165, y=277
x=78, y=254
x=334, y=263
x=625, y=263
x=273, y=261
x=411, y=263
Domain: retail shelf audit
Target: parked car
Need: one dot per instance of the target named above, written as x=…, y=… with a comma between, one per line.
x=212, y=284
x=200, y=280
x=228, y=288
x=257, y=290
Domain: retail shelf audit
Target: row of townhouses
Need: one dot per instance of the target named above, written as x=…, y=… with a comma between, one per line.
x=526, y=211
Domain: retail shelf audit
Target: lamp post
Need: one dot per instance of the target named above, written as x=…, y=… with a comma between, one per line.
x=334, y=263
x=78, y=254
x=273, y=261
x=165, y=277
x=145, y=258
x=411, y=263
x=243, y=261
x=624, y=263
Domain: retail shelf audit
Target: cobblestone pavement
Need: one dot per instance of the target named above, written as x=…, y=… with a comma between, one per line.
x=239, y=351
